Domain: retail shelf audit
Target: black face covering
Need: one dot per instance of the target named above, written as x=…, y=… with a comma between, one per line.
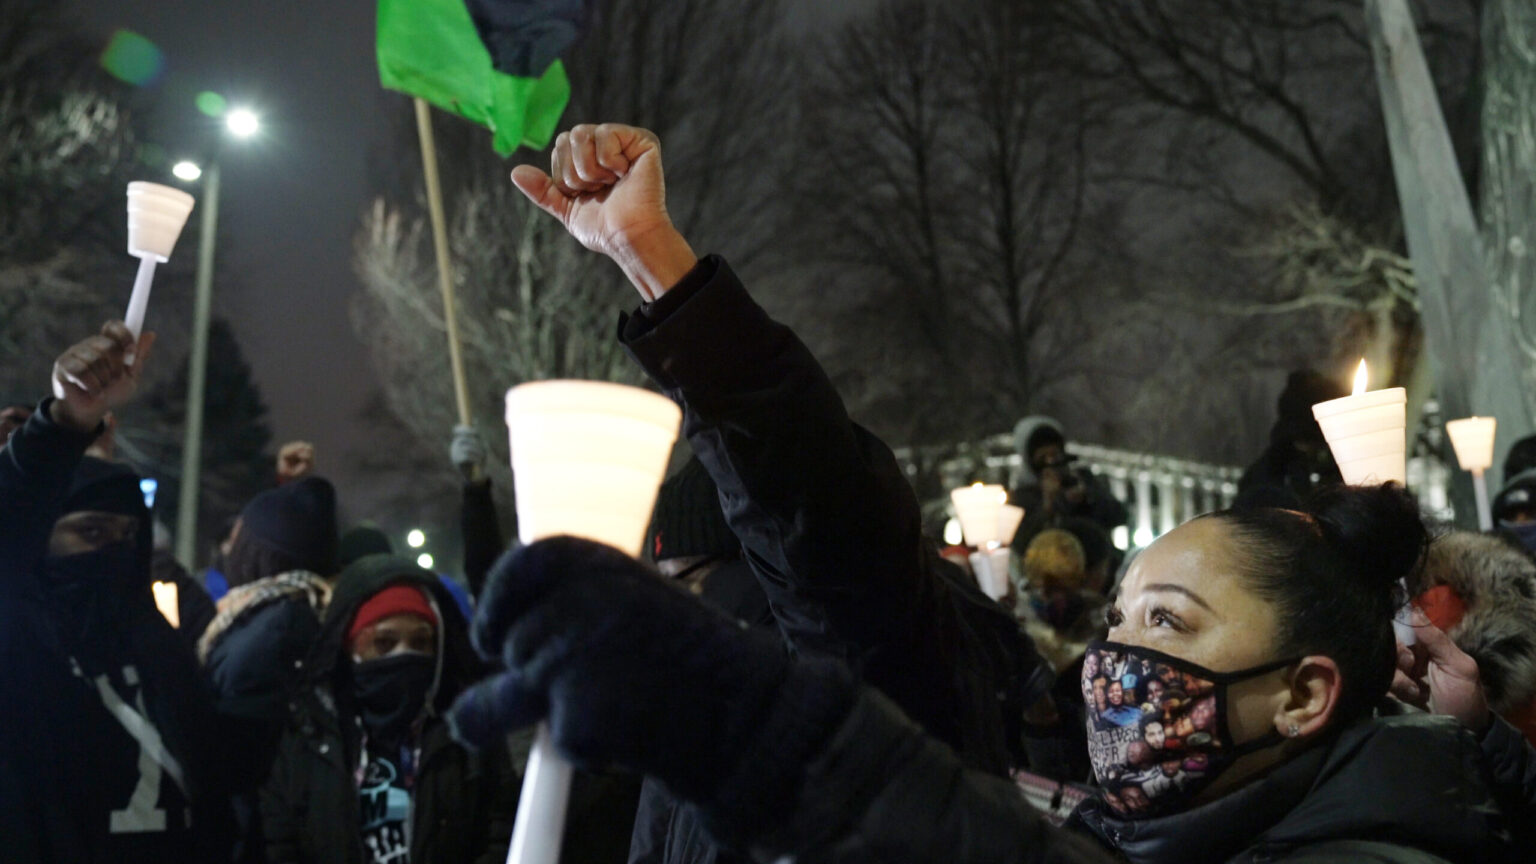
x=89, y=592
x=392, y=693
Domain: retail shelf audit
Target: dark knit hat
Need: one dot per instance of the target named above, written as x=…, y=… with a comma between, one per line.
x=1518, y=494
x=1521, y=457
x=362, y=540
x=107, y=487
x=297, y=520
x=688, y=520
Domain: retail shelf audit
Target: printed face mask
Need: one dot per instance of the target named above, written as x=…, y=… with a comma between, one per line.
x=1157, y=726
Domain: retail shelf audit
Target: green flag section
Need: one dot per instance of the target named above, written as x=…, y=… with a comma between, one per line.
x=430, y=49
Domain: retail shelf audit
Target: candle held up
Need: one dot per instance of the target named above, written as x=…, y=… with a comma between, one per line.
x=587, y=460
x=167, y=601
x=1472, y=438
x=1367, y=432
x=156, y=215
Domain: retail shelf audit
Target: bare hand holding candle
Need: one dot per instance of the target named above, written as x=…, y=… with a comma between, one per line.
x=156, y=215
x=587, y=460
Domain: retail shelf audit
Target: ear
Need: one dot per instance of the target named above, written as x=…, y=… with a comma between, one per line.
x=1314, y=693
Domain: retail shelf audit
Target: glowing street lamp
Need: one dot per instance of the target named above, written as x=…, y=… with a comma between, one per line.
x=416, y=538
x=242, y=122
x=187, y=170
x=425, y=561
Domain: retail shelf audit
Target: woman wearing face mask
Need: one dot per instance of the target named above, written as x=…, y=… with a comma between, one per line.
x=1268, y=633
x=366, y=771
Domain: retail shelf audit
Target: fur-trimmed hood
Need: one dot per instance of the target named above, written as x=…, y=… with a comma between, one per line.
x=1494, y=586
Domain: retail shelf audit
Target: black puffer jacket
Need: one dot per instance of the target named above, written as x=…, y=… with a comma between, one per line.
x=1408, y=789
x=463, y=804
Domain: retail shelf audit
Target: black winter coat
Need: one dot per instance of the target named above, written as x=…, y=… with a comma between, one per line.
x=829, y=523
x=1410, y=789
x=463, y=803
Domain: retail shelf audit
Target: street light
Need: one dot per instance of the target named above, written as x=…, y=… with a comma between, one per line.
x=416, y=538
x=424, y=561
x=242, y=123
x=186, y=170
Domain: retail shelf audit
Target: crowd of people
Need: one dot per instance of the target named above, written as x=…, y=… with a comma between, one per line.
x=797, y=673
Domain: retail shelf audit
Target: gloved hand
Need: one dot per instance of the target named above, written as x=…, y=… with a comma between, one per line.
x=627, y=668
x=468, y=451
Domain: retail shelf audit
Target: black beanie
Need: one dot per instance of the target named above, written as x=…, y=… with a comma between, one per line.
x=362, y=540
x=107, y=487
x=688, y=521
x=296, y=520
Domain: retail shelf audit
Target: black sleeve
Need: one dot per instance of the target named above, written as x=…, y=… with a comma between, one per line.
x=881, y=790
x=36, y=468
x=483, y=543
x=821, y=507
x=1511, y=764
x=653, y=821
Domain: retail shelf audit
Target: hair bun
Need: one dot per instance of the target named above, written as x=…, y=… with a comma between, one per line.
x=1377, y=529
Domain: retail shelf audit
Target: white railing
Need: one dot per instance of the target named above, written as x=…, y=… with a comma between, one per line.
x=1161, y=492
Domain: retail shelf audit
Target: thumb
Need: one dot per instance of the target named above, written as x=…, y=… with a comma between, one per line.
x=140, y=354
x=1435, y=643
x=541, y=190
x=486, y=712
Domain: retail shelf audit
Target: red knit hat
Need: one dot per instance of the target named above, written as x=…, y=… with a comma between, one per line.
x=394, y=600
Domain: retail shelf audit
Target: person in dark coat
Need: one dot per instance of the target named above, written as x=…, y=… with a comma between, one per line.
x=1297, y=460
x=366, y=771
x=108, y=738
x=1259, y=641
x=279, y=566
x=1054, y=491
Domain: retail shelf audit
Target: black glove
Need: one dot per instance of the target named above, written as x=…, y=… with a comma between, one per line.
x=627, y=668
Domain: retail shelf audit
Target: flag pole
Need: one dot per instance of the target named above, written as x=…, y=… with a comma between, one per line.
x=444, y=265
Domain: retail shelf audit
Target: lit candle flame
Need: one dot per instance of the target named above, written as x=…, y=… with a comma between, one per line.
x=1361, y=378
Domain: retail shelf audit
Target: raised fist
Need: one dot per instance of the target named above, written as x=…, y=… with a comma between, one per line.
x=93, y=376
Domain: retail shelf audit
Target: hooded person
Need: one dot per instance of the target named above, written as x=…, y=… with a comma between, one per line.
x=1514, y=510
x=1297, y=460
x=107, y=732
x=366, y=771
x=1052, y=491
x=279, y=566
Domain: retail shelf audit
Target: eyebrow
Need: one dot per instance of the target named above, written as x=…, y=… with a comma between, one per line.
x=1179, y=589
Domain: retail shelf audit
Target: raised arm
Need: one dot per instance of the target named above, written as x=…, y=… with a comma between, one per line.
x=820, y=505
x=89, y=379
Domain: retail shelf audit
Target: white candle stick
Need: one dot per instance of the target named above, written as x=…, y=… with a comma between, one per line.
x=156, y=215
x=138, y=302
x=587, y=460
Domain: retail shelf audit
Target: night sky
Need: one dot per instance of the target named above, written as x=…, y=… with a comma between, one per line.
x=290, y=202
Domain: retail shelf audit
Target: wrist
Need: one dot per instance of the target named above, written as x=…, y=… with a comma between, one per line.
x=60, y=412
x=654, y=260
